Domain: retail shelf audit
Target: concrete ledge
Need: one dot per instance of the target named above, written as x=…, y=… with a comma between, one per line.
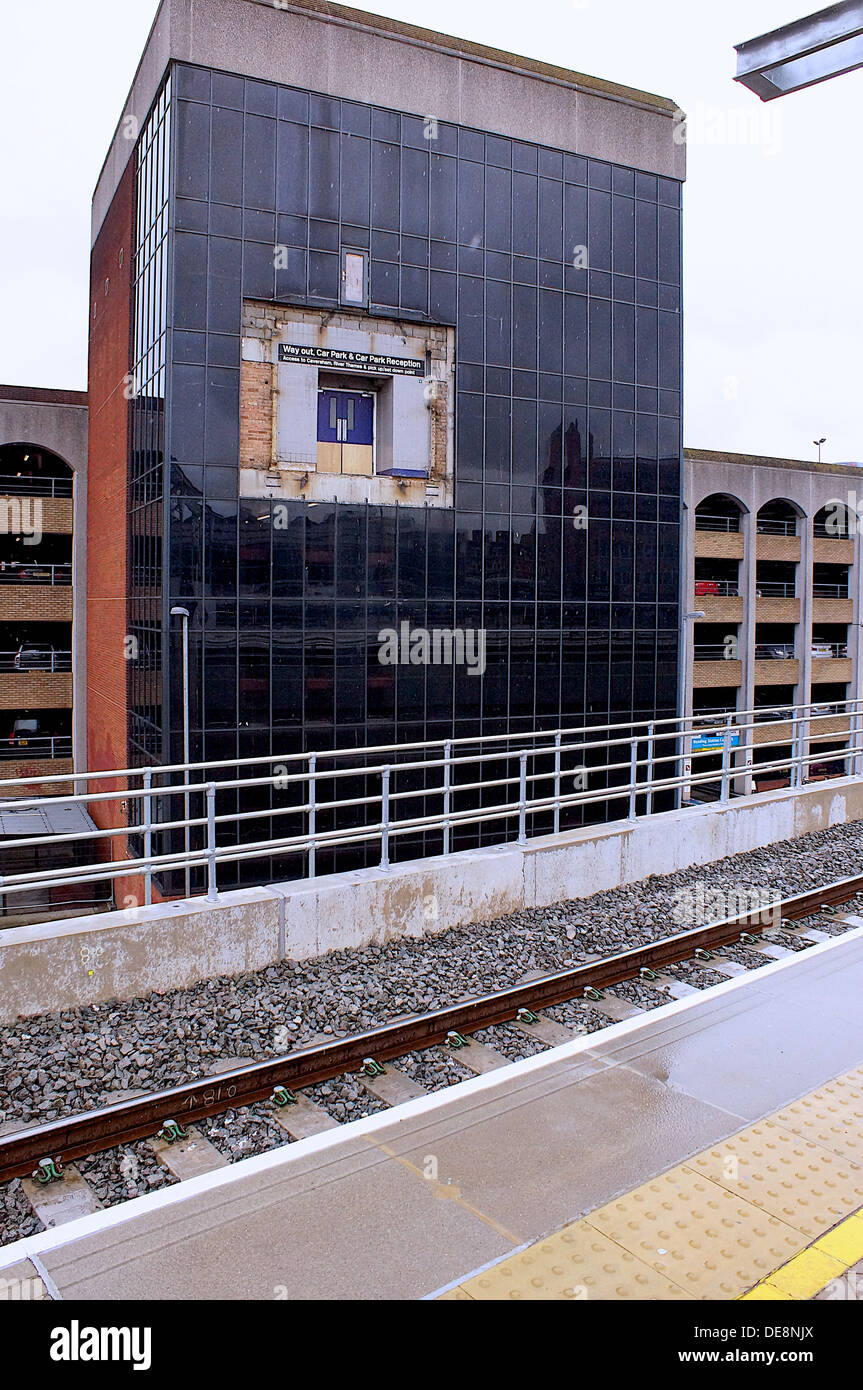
x=86, y=960
x=122, y=955
x=418, y=898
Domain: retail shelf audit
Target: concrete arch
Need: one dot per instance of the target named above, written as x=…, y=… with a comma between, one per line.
x=722, y=499
x=789, y=502
x=34, y=447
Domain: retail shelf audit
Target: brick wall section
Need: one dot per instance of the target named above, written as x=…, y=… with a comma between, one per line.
x=48, y=603
x=36, y=690
x=35, y=767
x=51, y=515
x=109, y=363
x=716, y=675
x=437, y=468
x=256, y=415
x=721, y=545
x=777, y=547
x=828, y=550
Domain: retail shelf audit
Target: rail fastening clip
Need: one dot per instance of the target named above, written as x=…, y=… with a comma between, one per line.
x=48, y=1170
x=171, y=1132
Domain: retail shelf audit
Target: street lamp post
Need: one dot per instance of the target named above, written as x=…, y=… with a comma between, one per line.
x=183, y=613
x=818, y=443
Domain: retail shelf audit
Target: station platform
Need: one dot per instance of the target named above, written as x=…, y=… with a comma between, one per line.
x=693, y=1152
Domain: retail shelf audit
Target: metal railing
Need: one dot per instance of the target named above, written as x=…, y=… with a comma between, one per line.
x=831, y=531
x=376, y=800
x=830, y=590
x=827, y=651
x=19, y=485
x=713, y=588
x=35, y=746
x=34, y=658
x=774, y=651
x=775, y=588
x=706, y=522
x=782, y=526
x=18, y=572
x=713, y=651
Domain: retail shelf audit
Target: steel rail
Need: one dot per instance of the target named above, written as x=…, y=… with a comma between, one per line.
x=93, y=1131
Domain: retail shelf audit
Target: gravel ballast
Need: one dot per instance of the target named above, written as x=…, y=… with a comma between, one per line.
x=58, y=1064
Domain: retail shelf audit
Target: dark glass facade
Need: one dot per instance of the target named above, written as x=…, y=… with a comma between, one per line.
x=568, y=398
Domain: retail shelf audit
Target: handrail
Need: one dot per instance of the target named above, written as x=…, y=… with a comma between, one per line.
x=517, y=784
x=37, y=659
x=20, y=485
x=34, y=572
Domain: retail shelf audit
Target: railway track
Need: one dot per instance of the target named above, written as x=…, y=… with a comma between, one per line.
x=43, y=1150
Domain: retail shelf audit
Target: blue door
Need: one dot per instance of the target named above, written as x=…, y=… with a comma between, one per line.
x=345, y=417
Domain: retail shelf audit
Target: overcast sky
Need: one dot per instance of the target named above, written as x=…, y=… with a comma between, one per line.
x=773, y=208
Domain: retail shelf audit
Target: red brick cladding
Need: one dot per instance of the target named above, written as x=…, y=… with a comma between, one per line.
x=109, y=363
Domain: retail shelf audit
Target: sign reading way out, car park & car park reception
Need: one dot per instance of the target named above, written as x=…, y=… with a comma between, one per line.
x=344, y=360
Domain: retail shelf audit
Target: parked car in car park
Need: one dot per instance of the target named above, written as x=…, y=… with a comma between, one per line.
x=24, y=731
x=35, y=656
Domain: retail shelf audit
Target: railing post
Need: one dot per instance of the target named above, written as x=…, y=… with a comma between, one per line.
x=726, y=759
x=633, y=775
x=385, y=818
x=557, y=783
x=313, y=761
x=651, y=730
x=522, y=799
x=148, y=836
x=212, y=890
x=797, y=767
x=447, y=790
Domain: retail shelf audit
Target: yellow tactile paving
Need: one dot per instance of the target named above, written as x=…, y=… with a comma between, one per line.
x=832, y=1116
x=575, y=1263
x=845, y=1242
x=811, y=1271
x=805, y=1275
x=708, y=1240
x=804, y=1184
x=774, y=1213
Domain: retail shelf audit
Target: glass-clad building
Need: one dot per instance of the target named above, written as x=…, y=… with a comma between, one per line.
x=300, y=505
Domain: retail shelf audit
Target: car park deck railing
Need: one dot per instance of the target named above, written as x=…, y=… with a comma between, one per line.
x=704, y=521
x=32, y=572
x=711, y=588
x=34, y=746
x=35, y=659
x=375, y=799
x=713, y=651
x=19, y=485
x=775, y=588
